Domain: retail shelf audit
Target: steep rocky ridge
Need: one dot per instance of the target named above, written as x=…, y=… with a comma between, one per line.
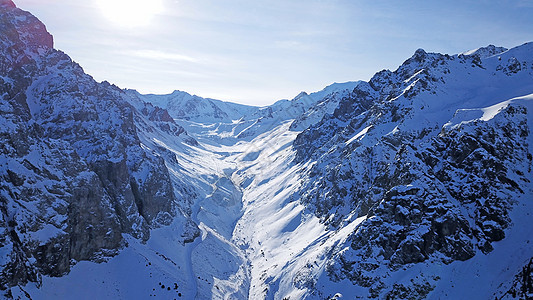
x=429, y=158
x=74, y=176
x=416, y=184
x=219, y=122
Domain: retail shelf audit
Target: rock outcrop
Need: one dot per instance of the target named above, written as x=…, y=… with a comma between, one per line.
x=74, y=176
x=430, y=160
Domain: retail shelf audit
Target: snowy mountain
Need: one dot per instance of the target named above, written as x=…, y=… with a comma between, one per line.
x=413, y=185
x=227, y=123
x=434, y=157
x=182, y=105
x=75, y=177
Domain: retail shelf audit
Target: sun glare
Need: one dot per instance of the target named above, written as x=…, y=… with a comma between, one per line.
x=130, y=13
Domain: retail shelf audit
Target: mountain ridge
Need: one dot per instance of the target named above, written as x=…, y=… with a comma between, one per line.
x=415, y=184
x=75, y=176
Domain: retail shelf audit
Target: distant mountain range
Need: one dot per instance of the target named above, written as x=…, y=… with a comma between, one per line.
x=413, y=185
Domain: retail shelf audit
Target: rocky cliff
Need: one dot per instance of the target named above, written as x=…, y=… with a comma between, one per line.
x=74, y=176
x=433, y=158
x=415, y=184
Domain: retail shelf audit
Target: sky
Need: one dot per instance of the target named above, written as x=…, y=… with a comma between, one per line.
x=258, y=52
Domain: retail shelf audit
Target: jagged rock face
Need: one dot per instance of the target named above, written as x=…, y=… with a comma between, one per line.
x=151, y=118
x=432, y=188
x=522, y=285
x=413, y=167
x=73, y=174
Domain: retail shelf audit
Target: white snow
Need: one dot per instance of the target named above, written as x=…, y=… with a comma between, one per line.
x=359, y=135
x=44, y=234
x=258, y=241
x=465, y=116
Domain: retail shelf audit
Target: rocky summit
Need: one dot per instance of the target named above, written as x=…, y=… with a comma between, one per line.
x=75, y=176
x=413, y=185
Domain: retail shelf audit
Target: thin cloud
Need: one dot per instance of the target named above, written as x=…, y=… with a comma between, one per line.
x=161, y=55
x=290, y=45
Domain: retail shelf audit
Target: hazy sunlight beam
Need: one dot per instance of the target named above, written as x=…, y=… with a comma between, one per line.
x=130, y=13
x=160, y=55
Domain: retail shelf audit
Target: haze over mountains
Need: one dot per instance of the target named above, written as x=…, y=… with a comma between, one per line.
x=413, y=185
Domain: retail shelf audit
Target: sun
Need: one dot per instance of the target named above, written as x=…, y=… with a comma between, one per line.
x=130, y=13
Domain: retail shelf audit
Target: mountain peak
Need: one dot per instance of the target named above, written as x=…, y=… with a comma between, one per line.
x=420, y=54
x=485, y=52
x=178, y=92
x=301, y=95
x=7, y=3
x=420, y=51
x=418, y=57
x=22, y=32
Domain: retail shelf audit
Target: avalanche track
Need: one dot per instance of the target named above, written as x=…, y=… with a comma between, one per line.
x=254, y=235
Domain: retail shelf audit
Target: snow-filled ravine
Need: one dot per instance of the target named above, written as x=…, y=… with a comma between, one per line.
x=381, y=175
x=256, y=239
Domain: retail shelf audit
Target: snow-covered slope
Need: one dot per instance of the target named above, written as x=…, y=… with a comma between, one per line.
x=182, y=105
x=215, y=121
x=416, y=184
x=75, y=179
x=408, y=188
x=435, y=157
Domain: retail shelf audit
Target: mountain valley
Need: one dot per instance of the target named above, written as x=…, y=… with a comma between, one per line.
x=413, y=185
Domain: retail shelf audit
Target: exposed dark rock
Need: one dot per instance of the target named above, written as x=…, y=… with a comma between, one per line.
x=429, y=193
x=522, y=285
x=74, y=177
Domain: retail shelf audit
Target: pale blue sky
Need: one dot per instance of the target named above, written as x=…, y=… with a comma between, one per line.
x=257, y=52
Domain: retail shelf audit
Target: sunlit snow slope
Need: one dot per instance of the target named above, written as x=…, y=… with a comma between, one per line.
x=405, y=186
x=408, y=187
x=413, y=185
